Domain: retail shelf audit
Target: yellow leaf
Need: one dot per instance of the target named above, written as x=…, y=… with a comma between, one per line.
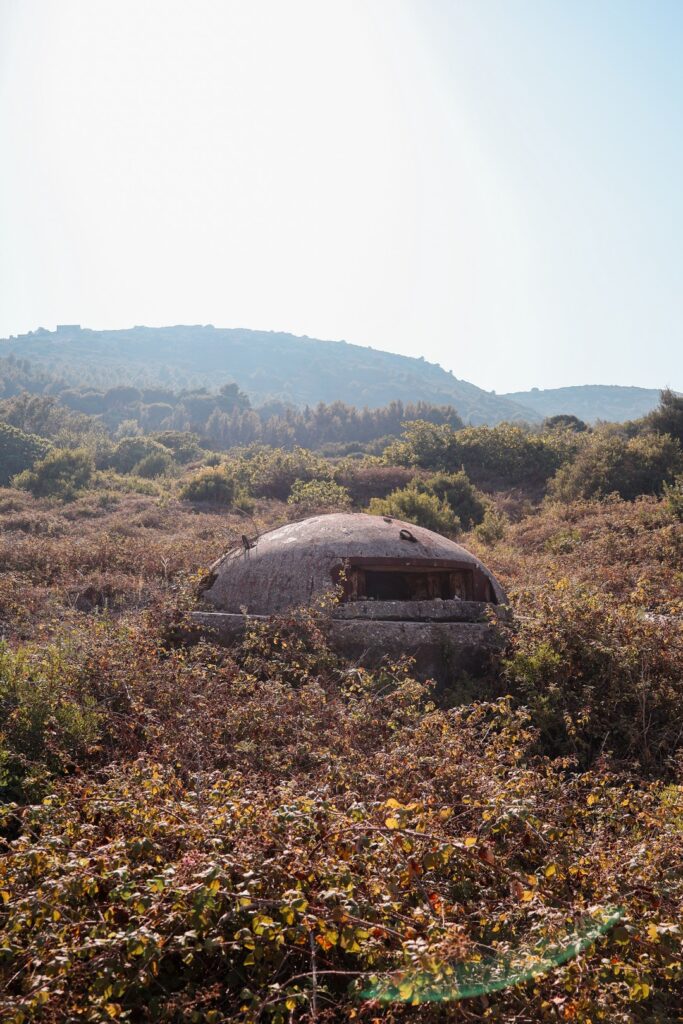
x=652, y=932
x=290, y=1003
x=527, y=896
x=471, y=841
x=391, y=823
x=348, y=941
x=392, y=802
x=550, y=870
x=592, y=799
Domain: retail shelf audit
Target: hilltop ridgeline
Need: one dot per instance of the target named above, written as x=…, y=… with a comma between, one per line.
x=273, y=366
x=266, y=365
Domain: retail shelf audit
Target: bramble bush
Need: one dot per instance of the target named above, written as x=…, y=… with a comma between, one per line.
x=673, y=493
x=269, y=835
x=46, y=723
x=598, y=675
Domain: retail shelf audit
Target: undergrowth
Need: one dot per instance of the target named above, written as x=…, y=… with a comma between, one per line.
x=267, y=833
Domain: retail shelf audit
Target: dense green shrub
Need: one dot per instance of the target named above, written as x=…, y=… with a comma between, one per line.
x=62, y=474
x=154, y=464
x=130, y=451
x=417, y=506
x=211, y=485
x=463, y=498
x=609, y=463
x=427, y=445
x=183, y=444
x=308, y=495
x=493, y=526
x=667, y=418
x=45, y=722
x=271, y=472
x=494, y=457
x=213, y=459
x=18, y=451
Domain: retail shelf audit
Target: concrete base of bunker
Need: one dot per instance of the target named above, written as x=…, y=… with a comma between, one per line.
x=443, y=651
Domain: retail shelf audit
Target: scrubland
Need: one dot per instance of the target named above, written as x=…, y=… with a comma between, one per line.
x=266, y=833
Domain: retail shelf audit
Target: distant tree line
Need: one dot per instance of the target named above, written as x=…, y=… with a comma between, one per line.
x=417, y=460
x=224, y=418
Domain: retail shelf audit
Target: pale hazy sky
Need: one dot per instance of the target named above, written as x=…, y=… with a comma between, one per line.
x=496, y=185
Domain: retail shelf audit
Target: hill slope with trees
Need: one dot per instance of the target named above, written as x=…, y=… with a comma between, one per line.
x=265, y=364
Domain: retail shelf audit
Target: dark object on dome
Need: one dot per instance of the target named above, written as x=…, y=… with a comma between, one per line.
x=401, y=590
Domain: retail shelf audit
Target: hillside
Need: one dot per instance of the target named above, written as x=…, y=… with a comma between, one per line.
x=590, y=402
x=265, y=364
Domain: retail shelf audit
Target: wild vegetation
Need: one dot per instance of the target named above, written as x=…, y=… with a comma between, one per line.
x=267, y=833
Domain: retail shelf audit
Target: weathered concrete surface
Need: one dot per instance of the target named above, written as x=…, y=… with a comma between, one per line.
x=293, y=566
x=442, y=650
x=437, y=610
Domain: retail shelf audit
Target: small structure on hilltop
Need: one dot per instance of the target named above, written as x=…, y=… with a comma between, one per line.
x=401, y=590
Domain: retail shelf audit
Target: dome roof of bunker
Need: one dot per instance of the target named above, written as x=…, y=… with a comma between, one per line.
x=298, y=563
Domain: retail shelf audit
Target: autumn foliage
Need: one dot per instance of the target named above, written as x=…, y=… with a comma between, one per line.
x=267, y=833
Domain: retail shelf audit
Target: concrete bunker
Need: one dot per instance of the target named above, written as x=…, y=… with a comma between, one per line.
x=401, y=589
